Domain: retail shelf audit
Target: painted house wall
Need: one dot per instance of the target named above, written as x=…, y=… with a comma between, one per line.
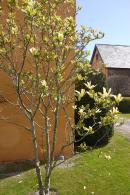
x=15, y=141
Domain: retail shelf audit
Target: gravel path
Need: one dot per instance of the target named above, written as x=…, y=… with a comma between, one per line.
x=123, y=126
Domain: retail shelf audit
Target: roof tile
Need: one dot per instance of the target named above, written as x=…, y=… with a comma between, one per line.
x=115, y=56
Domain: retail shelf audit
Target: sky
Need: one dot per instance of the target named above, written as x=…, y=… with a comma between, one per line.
x=109, y=16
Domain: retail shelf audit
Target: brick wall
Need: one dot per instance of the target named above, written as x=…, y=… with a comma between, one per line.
x=97, y=62
x=119, y=80
x=119, y=71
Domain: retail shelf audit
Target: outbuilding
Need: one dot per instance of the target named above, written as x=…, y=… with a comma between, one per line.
x=114, y=61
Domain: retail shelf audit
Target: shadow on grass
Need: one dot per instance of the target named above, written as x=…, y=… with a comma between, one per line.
x=14, y=168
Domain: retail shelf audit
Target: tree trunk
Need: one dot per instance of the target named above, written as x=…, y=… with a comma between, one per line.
x=39, y=178
x=47, y=186
x=37, y=162
x=48, y=162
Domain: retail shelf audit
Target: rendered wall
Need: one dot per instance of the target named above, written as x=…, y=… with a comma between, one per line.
x=15, y=141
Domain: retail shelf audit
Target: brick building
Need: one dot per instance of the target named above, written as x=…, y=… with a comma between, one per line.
x=114, y=61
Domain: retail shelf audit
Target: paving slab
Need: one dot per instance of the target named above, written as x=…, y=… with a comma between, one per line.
x=123, y=126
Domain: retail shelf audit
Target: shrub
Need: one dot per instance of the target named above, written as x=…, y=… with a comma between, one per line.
x=124, y=105
x=102, y=134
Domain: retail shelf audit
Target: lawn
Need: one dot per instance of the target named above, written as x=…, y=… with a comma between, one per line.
x=104, y=171
x=125, y=116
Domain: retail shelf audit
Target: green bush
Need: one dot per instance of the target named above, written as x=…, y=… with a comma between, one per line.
x=124, y=105
x=102, y=134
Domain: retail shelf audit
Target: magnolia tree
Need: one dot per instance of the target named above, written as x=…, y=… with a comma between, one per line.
x=44, y=55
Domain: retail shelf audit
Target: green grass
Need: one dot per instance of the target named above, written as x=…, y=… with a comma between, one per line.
x=92, y=169
x=125, y=116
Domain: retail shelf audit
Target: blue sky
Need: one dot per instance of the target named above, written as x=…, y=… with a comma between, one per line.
x=110, y=16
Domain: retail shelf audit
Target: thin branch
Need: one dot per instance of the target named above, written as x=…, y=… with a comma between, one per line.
x=14, y=123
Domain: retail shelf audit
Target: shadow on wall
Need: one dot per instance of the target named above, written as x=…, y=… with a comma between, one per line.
x=119, y=84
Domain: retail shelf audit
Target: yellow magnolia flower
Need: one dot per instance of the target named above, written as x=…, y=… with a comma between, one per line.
x=35, y=51
x=89, y=85
x=118, y=98
x=60, y=36
x=108, y=157
x=114, y=110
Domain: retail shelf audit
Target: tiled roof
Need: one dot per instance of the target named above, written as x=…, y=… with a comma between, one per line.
x=115, y=56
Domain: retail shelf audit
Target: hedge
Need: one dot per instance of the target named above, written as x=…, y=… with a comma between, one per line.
x=124, y=105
